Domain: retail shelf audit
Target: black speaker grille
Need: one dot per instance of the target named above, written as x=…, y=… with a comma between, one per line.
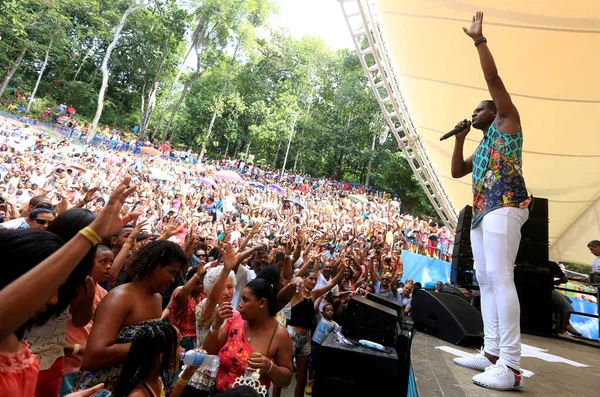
x=447, y=316
x=463, y=313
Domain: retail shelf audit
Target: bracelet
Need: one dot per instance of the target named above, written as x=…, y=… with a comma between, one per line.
x=270, y=368
x=183, y=382
x=76, y=348
x=91, y=235
x=126, y=245
x=196, y=276
x=82, y=202
x=481, y=40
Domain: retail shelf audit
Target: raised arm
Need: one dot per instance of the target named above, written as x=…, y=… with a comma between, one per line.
x=332, y=283
x=18, y=304
x=507, y=117
x=229, y=262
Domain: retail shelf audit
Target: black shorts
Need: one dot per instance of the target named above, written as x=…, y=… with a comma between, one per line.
x=314, y=354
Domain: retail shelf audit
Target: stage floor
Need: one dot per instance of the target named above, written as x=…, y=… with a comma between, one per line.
x=436, y=374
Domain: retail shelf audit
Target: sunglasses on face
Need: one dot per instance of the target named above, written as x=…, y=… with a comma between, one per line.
x=42, y=222
x=385, y=279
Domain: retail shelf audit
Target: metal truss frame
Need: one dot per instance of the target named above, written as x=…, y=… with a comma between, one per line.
x=370, y=47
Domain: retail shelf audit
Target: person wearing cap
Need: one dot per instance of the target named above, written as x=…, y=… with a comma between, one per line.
x=331, y=254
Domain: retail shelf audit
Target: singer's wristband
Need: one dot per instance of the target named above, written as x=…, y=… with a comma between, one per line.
x=481, y=40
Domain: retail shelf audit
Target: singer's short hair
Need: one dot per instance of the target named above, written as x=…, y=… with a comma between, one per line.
x=594, y=243
x=490, y=104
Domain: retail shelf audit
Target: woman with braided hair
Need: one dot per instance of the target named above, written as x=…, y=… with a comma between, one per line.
x=126, y=310
x=154, y=352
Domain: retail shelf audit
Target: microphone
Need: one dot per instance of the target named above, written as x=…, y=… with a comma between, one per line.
x=455, y=131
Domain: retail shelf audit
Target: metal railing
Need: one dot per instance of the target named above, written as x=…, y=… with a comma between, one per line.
x=585, y=293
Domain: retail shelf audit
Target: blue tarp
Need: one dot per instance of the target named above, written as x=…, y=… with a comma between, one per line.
x=423, y=268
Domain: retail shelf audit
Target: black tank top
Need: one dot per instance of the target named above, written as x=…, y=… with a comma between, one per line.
x=303, y=314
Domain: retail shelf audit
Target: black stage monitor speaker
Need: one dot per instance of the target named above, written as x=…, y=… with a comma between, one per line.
x=365, y=319
x=392, y=304
x=355, y=370
x=534, y=287
x=448, y=317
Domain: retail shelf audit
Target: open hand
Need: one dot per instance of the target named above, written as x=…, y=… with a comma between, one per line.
x=229, y=256
x=91, y=194
x=109, y=221
x=474, y=31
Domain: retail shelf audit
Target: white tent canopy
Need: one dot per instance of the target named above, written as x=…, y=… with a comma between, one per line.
x=547, y=53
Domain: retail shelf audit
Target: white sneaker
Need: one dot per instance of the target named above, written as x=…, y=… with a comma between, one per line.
x=499, y=377
x=476, y=361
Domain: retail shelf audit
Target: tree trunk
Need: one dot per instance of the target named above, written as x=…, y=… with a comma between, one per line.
x=109, y=50
x=151, y=103
x=371, y=159
x=340, y=161
x=198, y=40
x=277, y=155
x=12, y=70
x=143, y=96
x=302, y=132
x=247, y=152
x=210, y=126
x=87, y=55
x=186, y=87
x=237, y=148
x=37, y=83
x=227, y=149
x=212, y=121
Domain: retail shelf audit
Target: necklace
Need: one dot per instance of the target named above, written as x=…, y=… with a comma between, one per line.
x=248, y=336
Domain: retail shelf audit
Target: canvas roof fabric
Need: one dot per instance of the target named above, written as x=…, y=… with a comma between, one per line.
x=548, y=55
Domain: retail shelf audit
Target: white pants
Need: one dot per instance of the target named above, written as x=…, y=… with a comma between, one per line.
x=495, y=243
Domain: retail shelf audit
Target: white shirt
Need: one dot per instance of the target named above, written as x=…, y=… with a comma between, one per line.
x=242, y=277
x=13, y=224
x=596, y=265
x=322, y=281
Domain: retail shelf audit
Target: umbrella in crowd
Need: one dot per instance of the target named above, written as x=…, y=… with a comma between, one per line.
x=278, y=189
x=297, y=202
x=228, y=176
x=359, y=198
x=157, y=173
x=111, y=158
x=257, y=184
x=150, y=150
x=208, y=181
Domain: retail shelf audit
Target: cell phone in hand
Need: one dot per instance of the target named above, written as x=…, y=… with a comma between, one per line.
x=102, y=393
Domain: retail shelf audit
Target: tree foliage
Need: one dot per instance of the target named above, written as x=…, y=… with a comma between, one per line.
x=245, y=77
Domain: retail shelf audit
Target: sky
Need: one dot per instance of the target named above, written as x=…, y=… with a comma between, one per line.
x=322, y=18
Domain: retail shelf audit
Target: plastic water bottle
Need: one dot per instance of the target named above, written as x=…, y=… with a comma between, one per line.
x=195, y=358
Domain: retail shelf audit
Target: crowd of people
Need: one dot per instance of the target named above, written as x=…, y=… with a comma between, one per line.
x=143, y=257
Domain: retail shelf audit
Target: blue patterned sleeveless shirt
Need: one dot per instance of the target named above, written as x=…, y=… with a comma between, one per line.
x=497, y=174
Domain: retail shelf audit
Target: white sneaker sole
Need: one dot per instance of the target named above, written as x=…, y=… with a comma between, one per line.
x=497, y=388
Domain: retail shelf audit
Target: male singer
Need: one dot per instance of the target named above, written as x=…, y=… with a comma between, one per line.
x=500, y=202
